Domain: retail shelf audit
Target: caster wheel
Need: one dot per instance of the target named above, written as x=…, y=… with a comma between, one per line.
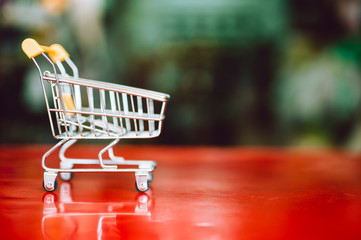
x=150, y=177
x=143, y=188
x=66, y=176
x=51, y=189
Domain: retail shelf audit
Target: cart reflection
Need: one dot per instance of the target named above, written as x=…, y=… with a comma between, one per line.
x=64, y=218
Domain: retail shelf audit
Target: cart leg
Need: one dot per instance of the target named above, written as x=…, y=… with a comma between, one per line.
x=115, y=158
x=100, y=155
x=65, y=163
x=140, y=163
x=141, y=181
x=50, y=151
x=50, y=183
x=64, y=148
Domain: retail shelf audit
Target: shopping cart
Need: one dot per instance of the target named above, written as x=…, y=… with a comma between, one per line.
x=87, y=109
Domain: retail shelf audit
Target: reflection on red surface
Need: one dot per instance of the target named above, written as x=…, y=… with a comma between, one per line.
x=68, y=219
x=197, y=193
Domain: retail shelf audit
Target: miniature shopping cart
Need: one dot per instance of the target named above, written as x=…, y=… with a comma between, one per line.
x=88, y=109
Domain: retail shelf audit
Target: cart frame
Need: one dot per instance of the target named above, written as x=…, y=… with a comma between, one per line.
x=110, y=111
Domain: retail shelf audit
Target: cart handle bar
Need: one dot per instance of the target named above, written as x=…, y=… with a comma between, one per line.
x=32, y=49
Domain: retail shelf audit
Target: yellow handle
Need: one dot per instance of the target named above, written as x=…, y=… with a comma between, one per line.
x=32, y=49
x=58, y=53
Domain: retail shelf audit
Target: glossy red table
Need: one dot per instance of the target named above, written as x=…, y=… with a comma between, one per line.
x=197, y=193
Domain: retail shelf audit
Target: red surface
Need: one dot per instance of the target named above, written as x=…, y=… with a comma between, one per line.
x=197, y=193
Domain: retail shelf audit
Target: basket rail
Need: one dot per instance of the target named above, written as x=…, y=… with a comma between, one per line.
x=108, y=86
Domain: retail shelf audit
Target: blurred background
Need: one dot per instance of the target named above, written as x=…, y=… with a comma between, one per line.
x=239, y=72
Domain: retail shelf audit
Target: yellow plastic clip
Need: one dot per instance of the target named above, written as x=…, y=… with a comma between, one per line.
x=31, y=48
x=58, y=53
x=69, y=103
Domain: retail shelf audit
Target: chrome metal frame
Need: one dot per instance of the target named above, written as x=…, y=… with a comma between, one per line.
x=108, y=111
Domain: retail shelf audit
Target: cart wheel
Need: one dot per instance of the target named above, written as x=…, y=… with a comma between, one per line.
x=66, y=176
x=51, y=189
x=150, y=177
x=144, y=188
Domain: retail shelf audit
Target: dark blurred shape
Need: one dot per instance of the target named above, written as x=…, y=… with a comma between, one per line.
x=317, y=92
x=318, y=20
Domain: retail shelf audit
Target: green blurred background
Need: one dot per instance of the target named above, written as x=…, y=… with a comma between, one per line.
x=239, y=72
